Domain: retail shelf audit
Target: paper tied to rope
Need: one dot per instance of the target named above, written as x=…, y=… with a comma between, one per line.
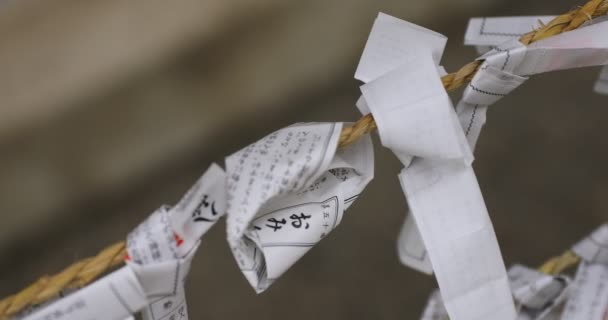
x=410, y=248
x=417, y=121
x=287, y=191
x=172, y=234
x=538, y=296
x=601, y=85
x=594, y=248
x=157, y=265
x=589, y=297
x=493, y=80
x=487, y=33
x=435, y=309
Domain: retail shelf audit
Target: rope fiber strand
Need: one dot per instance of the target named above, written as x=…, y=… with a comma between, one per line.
x=85, y=271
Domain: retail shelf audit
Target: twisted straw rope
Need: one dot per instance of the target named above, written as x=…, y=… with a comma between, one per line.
x=85, y=271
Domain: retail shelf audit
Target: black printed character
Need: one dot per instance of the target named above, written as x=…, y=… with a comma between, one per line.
x=197, y=214
x=297, y=220
x=278, y=224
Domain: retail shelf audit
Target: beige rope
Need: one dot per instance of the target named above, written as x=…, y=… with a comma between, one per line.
x=559, y=264
x=83, y=272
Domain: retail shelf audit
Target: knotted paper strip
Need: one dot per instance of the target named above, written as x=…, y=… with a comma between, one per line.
x=486, y=33
x=388, y=47
x=287, y=191
x=415, y=118
x=410, y=247
x=156, y=268
x=537, y=295
x=493, y=81
x=589, y=299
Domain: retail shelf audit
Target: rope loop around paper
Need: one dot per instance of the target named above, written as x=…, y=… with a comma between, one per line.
x=86, y=270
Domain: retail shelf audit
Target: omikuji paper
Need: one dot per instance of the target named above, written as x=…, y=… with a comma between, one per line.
x=415, y=119
x=160, y=252
x=594, y=248
x=153, y=242
x=589, y=297
x=288, y=191
x=199, y=209
x=411, y=249
x=487, y=33
x=435, y=310
x=538, y=296
x=601, y=85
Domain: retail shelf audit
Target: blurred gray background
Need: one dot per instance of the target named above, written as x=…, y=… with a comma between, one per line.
x=110, y=108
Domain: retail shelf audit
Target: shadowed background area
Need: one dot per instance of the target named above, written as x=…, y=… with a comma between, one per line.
x=112, y=108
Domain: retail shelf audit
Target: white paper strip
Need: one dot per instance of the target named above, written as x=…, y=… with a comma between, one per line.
x=288, y=191
x=156, y=268
x=414, y=114
x=589, y=299
x=167, y=308
x=153, y=242
x=410, y=247
x=460, y=240
x=393, y=43
x=537, y=295
x=435, y=310
x=494, y=31
x=492, y=82
x=178, y=232
x=601, y=85
x=415, y=118
x=199, y=209
x=578, y=48
x=114, y=297
x=594, y=248
x=485, y=33
x=118, y=295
